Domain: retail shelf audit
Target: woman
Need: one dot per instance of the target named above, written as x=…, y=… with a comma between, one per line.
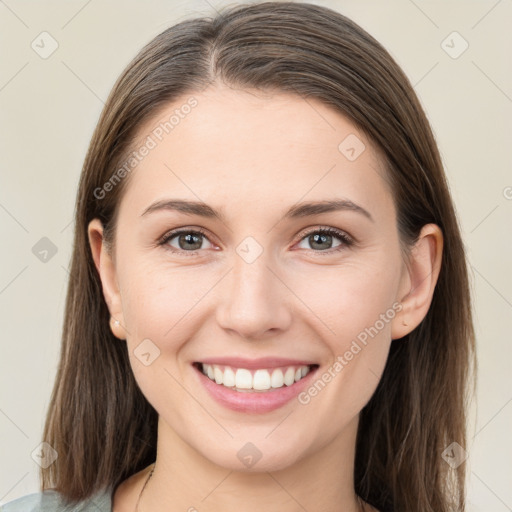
x=268, y=306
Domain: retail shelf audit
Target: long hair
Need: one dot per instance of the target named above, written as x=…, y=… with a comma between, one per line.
x=98, y=420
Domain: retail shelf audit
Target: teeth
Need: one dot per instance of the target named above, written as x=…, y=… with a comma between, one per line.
x=261, y=380
x=277, y=379
x=229, y=377
x=289, y=376
x=218, y=375
x=242, y=379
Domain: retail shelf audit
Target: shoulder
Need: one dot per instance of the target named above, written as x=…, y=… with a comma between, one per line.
x=51, y=501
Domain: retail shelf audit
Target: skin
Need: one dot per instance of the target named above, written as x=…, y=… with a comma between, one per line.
x=253, y=156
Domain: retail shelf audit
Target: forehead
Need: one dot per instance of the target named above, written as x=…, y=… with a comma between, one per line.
x=249, y=148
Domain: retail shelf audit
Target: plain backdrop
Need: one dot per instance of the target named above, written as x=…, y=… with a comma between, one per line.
x=457, y=55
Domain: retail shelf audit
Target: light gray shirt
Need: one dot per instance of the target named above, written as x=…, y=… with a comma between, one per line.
x=52, y=501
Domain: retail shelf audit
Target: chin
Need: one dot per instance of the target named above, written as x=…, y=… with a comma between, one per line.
x=254, y=454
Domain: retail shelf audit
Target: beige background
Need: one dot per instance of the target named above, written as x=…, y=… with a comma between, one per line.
x=49, y=108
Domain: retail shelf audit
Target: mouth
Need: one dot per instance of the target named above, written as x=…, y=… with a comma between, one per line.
x=263, y=379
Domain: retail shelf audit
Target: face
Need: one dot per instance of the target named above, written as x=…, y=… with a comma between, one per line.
x=262, y=278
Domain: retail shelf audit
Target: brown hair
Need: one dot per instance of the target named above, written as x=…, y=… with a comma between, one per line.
x=101, y=425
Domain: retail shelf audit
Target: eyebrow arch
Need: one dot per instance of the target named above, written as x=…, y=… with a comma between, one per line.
x=297, y=211
x=315, y=208
x=188, y=207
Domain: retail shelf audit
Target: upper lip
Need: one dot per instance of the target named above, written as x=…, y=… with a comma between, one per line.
x=263, y=362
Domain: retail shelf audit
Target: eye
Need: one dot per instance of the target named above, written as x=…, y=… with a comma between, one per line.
x=190, y=241
x=321, y=239
x=185, y=240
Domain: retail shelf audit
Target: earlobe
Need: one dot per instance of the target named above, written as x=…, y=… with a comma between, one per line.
x=107, y=273
x=419, y=281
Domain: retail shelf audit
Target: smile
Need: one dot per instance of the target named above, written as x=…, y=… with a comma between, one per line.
x=254, y=380
x=262, y=388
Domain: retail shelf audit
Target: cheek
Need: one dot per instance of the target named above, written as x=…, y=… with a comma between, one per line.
x=356, y=305
x=348, y=299
x=159, y=308
x=361, y=316
x=156, y=299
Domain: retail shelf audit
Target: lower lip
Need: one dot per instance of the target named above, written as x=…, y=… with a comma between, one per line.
x=254, y=402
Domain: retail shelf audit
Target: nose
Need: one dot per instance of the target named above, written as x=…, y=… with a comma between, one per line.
x=255, y=303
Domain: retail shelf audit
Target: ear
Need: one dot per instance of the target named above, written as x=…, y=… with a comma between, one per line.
x=419, y=280
x=106, y=270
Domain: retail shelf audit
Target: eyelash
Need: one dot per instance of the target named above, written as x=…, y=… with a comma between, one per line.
x=346, y=240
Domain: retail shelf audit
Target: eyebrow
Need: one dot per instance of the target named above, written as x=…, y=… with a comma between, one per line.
x=300, y=210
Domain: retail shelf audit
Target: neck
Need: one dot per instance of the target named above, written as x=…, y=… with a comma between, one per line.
x=185, y=480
